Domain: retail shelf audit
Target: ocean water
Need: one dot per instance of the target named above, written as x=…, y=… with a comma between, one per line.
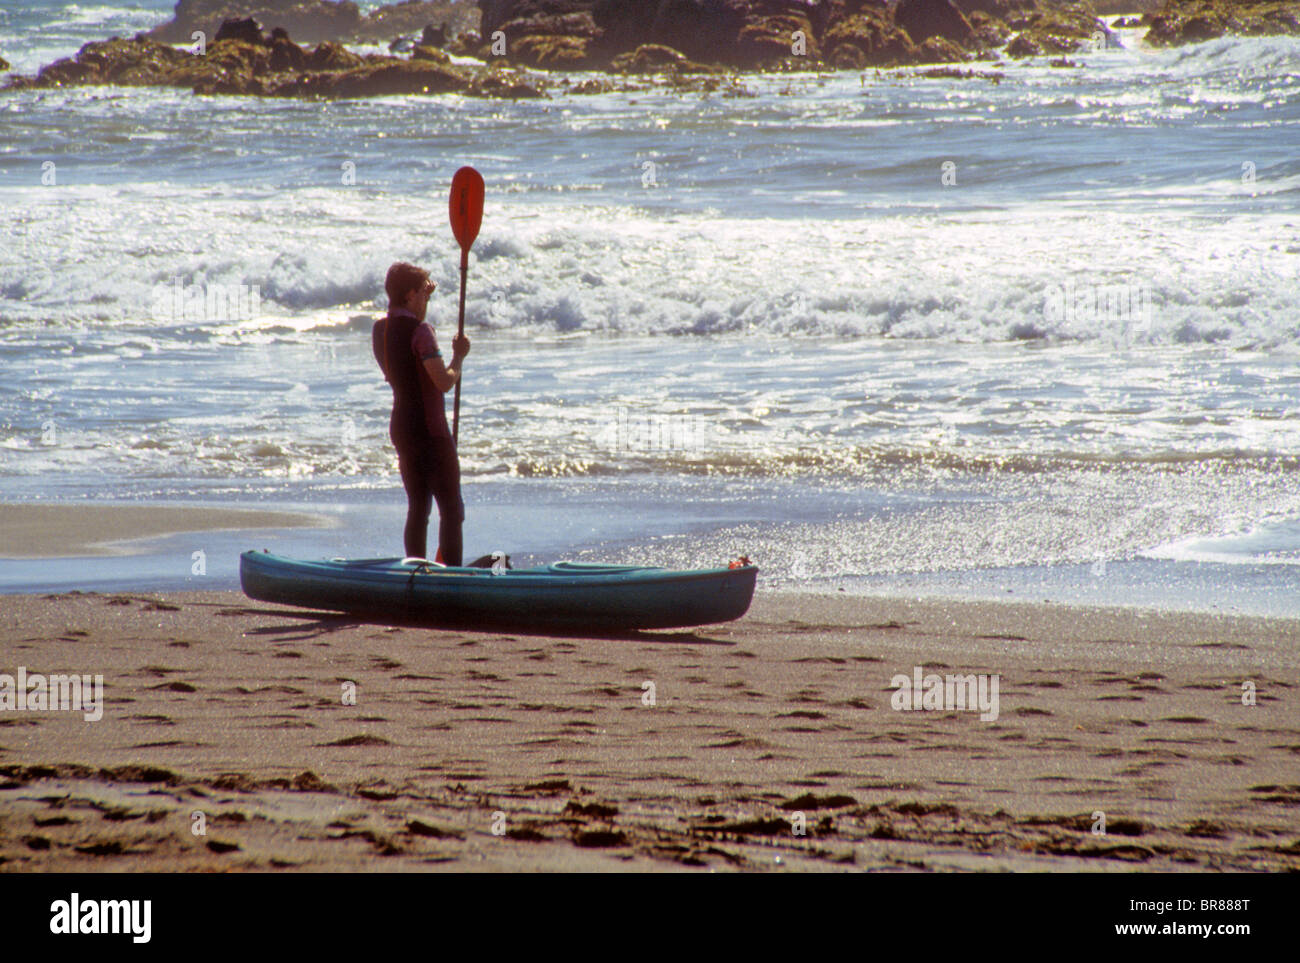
x=1032, y=333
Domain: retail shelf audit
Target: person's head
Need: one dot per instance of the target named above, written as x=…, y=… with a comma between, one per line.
x=408, y=287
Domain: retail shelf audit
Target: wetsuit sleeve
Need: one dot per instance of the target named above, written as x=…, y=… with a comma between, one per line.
x=377, y=334
x=424, y=344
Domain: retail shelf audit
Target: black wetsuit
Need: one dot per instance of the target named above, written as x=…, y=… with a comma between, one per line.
x=426, y=454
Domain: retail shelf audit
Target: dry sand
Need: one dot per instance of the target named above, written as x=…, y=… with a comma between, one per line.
x=501, y=751
x=60, y=530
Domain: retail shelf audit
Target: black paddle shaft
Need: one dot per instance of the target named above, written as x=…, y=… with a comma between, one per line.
x=460, y=332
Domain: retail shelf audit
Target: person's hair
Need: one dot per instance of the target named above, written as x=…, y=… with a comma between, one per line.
x=402, y=279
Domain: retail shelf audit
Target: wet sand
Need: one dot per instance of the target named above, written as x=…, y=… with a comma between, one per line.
x=508, y=751
x=61, y=530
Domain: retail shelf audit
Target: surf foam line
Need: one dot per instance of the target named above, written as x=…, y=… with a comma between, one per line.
x=1177, y=279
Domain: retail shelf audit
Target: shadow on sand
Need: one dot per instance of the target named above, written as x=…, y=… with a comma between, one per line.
x=317, y=623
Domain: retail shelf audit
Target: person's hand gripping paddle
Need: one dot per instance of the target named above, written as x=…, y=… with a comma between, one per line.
x=466, y=217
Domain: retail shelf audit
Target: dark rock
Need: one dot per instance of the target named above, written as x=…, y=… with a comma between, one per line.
x=989, y=30
x=654, y=58
x=236, y=58
x=940, y=50
x=1023, y=46
x=769, y=34
x=236, y=67
x=1126, y=6
x=332, y=57
x=704, y=30
x=213, y=85
x=432, y=54
x=467, y=44
x=1063, y=27
x=1000, y=9
x=494, y=13
x=772, y=38
x=592, y=85
x=285, y=54
x=553, y=52
x=114, y=61
x=4, y=64
x=400, y=77
x=577, y=23
x=669, y=37
x=245, y=31
x=868, y=38
x=493, y=84
x=1192, y=21
x=923, y=19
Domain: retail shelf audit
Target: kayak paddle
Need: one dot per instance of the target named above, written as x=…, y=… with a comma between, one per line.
x=466, y=216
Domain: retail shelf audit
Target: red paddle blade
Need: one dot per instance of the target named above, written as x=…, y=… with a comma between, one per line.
x=466, y=206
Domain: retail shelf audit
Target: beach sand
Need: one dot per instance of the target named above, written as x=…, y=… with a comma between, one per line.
x=500, y=751
x=61, y=530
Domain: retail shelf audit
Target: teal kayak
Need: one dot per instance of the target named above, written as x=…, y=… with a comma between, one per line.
x=565, y=595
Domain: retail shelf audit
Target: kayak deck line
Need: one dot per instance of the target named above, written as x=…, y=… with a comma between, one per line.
x=561, y=595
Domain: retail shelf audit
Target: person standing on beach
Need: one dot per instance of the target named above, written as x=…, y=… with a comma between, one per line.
x=407, y=352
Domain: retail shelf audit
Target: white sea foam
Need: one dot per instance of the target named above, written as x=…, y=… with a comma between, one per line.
x=973, y=277
x=1272, y=542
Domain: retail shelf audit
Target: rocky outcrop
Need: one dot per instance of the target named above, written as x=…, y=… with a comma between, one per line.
x=425, y=52
x=241, y=60
x=867, y=37
x=245, y=30
x=1061, y=27
x=1111, y=7
x=780, y=34
x=701, y=29
x=667, y=37
x=923, y=19
x=990, y=31
x=789, y=35
x=653, y=58
x=376, y=80
x=4, y=64
x=317, y=20
x=467, y=44
x=432, y=36
x=552, y=52
x=1192, y=21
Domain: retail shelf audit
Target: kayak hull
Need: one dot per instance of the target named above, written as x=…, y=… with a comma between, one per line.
x=566, y=595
